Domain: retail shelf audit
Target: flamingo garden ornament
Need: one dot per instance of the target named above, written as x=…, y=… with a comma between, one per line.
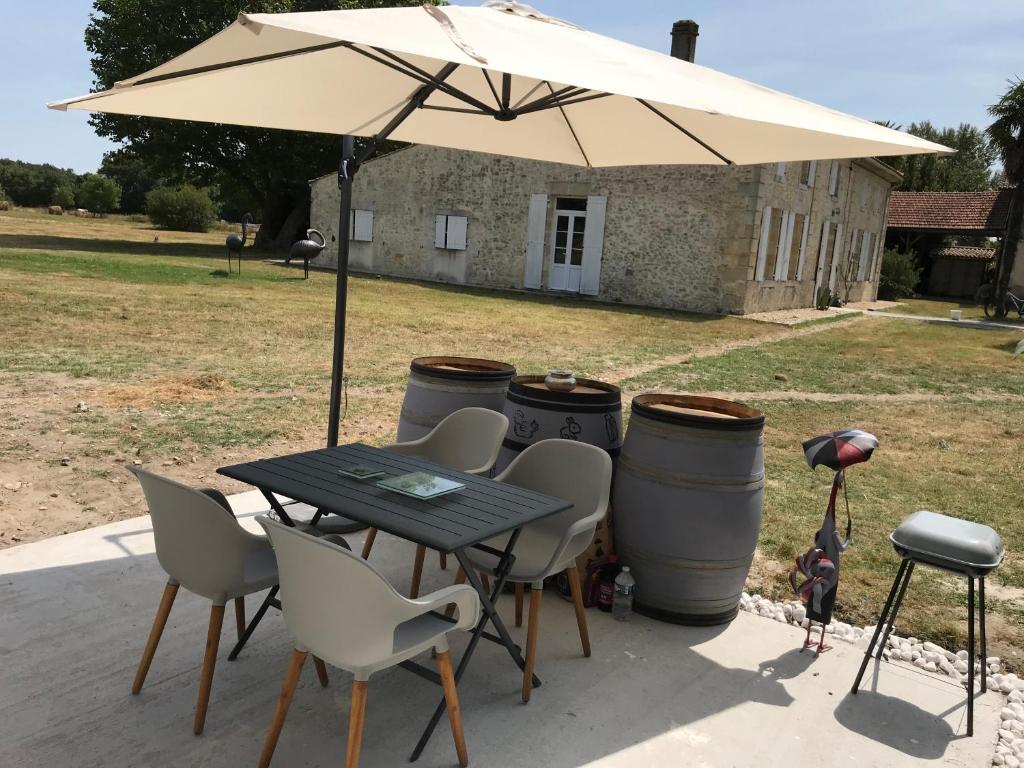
x=235, y=244
x=816, y=576
x=307, y=249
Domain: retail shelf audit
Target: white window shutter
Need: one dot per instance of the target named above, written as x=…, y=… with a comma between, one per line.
x=362, y=227
x=593, y=245
x=810, y=175
x=865, y=254
x=833, y=177
x=822, y=246
x=762, y=244
x=457, y=226
x=837, y=251
x=785, y=245
x=780, y=170
x=440, y=230
x=803, y=248
x=536, y=220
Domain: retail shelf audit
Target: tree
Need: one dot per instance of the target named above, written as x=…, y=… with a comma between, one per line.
x=99, y=194
x=132, y=175
x=969, y=170
x=64, y=197
x=1007, y=132
x=268, y=169
x=33, y=184
x=183, y=208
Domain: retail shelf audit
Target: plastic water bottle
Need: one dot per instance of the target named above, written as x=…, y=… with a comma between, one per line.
x=622, y=603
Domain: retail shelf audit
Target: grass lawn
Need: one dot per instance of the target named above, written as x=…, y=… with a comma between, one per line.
x=180, y=366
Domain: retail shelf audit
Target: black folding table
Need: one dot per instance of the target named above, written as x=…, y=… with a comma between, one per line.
x=451, y=523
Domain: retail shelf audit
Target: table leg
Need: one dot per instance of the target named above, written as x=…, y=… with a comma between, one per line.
x=489, y=614
x=267, y=602
x=278, y=508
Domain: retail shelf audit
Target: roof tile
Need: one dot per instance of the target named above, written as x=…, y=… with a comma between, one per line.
x=955, y=211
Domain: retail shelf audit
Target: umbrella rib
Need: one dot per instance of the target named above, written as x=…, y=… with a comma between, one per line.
x=429, y=78
x=571, y=129
x=552, y=97
x=490, y=84
x=680, y=128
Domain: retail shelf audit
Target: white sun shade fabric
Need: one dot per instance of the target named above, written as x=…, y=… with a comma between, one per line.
x=351, y=72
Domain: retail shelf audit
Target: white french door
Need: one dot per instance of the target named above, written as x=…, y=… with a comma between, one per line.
x=566, y=256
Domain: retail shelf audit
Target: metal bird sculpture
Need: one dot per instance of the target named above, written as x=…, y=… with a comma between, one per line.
x=307, y=249
x=235, y=244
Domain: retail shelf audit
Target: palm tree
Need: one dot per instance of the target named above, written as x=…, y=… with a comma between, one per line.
x=1007, y=132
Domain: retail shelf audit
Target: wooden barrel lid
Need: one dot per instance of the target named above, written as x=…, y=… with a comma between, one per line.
x=697, y=411
x=586, y=391
x=475, y=368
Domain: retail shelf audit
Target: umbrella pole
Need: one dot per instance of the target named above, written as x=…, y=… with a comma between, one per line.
x=345, y=173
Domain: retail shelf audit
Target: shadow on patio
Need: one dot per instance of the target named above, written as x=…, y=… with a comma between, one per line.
x=77, y=609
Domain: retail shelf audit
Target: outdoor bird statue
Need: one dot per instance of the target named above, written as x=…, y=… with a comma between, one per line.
x=816, y=576
x=235, y=243
x=307, y=249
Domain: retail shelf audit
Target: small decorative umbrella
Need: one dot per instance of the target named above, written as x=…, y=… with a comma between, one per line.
x=816, y=576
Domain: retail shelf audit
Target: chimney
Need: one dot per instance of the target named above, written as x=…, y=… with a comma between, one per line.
x=684, y=39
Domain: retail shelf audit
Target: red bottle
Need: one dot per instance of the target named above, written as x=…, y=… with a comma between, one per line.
x=606, y=583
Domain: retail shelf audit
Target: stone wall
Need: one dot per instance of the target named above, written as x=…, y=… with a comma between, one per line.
x=860, y=202
x=677, y=237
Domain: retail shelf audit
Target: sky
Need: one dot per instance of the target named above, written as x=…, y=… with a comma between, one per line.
x=902, y=60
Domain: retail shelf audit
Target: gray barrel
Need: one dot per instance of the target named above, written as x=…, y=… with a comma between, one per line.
x=687, y=501
x=439, y=386
x=591, y=412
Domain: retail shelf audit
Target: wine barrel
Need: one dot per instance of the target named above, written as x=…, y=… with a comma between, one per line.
x=591, y=412
x=439, y=386
x=687, y=501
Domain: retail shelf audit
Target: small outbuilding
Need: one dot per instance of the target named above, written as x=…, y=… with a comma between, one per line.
x=958, y=271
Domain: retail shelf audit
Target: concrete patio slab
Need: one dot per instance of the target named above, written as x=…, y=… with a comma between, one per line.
x=77, y=608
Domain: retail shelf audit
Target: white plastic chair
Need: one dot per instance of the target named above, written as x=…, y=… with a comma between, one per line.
x=202, y=548
x=342, y=609
x=569, y=470
x=467, y=440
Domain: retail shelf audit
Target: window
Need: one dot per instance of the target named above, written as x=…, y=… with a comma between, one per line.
x=853, y=262
x=807, y=169
x=780, y=171
x=798, y=237
x=866, y=252
x=360, y=226
x=772, y=235
x=833, y=178
x=450, y=232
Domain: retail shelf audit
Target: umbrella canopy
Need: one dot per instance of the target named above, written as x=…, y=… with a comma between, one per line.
x=554, y=91
x=841, y=449
x=501, y=78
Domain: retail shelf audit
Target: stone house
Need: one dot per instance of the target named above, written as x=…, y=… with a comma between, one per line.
x=736, y=239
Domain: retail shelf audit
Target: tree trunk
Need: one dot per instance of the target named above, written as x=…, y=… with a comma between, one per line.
x=1012, y=239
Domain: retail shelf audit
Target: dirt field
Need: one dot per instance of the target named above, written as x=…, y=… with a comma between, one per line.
x=121, y=344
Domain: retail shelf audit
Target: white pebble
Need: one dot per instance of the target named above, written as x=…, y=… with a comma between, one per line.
x=1007, y=714
x=1005, y=686
x=962, y=655
x=929, y=666
x=961, y=667
x=992, y=660
x=998, y=760
x=1016, y=696
x=919, y=662
x=1011, y=762
x=799, y=614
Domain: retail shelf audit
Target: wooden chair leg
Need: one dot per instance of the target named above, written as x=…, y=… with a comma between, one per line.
x=486, y=581
x=159, y=622
x=321, y=671
x=209, y=662
x=451, y=700
x=460, y=578
x=371, y=535
x=291, y=679
x=355, y=724
x=240, y=616
x=443, y=560
x=417, y=571
x=577, y=601
x=520, y=589
x=531, y=642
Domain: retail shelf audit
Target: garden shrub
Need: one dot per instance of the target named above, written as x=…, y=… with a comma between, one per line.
x=900, y=275
x=64, y=197
x=185, y=208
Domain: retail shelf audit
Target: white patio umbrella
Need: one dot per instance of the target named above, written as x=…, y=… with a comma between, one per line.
x=502, y=79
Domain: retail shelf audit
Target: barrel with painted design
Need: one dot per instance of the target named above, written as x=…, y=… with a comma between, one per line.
x=439, y=386
x=590, y=412
x=687, y=500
